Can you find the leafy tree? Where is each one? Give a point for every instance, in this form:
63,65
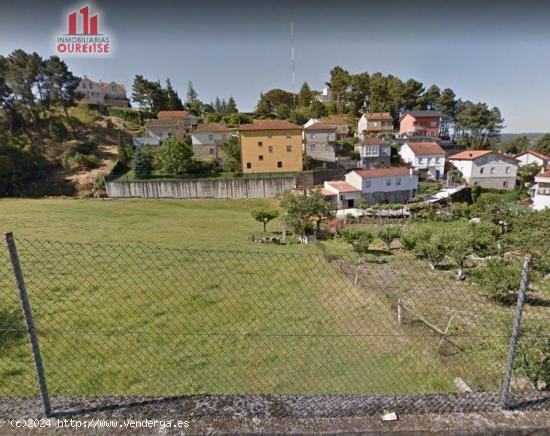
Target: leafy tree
319,208
301,209
283,111
460,247
430,98
412,93
388,234
307,161
143,164
359,91
543,144
232,165
339,83
434,250
232,149
149,94
516,145
276,97
528,173
263,108
298,117
264,215
173,157
317,109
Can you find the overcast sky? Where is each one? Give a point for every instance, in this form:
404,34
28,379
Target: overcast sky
496,52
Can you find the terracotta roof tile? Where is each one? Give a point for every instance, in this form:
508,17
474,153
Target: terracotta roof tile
383,172
213,127
162,122
342,186
422,114
173,114
270,125
544,174
535,153
423,148
321,126
378,116
471,154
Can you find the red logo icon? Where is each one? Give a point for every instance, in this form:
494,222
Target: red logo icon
89,24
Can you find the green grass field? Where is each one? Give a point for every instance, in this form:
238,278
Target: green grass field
132,319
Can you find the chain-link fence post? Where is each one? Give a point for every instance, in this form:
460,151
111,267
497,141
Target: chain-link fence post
29,323
505,387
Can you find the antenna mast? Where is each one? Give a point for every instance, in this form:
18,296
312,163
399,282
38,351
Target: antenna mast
293,59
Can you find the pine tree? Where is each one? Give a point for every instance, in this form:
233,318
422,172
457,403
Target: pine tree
305,96
173,101
192,94
143,165
218,106
232,106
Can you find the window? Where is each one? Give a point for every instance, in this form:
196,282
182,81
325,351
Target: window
371,151
434,123
270,148
261,157
210,137
481,170
312,146
279,164
504,184
289,148
428,160
388,182
211,150
260,143
312,135
367,183
420,160
437,160
484,159
270,135
289,135
398,182
492,170
248,165
507,170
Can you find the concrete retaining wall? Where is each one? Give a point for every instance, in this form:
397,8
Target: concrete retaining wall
201,188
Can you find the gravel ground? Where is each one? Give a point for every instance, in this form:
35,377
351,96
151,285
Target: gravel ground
465,414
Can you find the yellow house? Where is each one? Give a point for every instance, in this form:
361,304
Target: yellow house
271,146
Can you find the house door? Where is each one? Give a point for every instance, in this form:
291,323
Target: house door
351,204
437,174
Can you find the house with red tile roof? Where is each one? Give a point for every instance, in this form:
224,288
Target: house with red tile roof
420,123
425,157
377,185
533,157
375,124
486,168
320,141
107,93
342,194
207,141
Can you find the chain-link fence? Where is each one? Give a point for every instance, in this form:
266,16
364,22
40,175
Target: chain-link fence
142,321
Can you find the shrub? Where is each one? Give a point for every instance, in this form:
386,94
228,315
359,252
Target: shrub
414,236
78,161
460,211
57,130
388,234
499,280
18,168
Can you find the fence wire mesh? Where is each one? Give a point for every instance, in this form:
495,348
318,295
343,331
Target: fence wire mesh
145,321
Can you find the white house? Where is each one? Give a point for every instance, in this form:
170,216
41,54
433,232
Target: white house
148,139
533,157
427,157
486,168
384,185
111,94
207,140
342,194
324,95
541,199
